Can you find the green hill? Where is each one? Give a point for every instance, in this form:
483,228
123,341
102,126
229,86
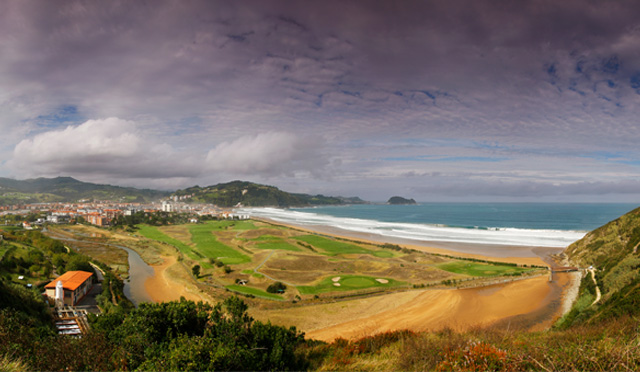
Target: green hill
612,250
67,189
255,195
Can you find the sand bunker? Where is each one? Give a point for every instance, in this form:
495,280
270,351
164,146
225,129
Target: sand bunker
336,279
436,309
336,284
382,281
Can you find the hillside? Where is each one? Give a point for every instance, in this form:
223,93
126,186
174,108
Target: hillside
398,200
612,250
255,195
67,189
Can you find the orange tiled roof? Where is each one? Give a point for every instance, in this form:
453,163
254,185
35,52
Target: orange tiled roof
71,280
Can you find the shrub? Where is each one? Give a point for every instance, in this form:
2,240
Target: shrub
276,287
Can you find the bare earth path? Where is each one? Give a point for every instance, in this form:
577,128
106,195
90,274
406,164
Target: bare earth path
598,294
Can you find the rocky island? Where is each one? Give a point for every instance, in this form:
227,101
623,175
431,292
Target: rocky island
398,200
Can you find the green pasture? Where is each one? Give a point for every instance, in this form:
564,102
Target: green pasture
207,244
348,283
153,233
480,268
253,291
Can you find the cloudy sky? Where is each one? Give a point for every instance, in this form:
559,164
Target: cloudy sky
434,100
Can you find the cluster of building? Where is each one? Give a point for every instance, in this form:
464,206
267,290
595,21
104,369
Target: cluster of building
101,213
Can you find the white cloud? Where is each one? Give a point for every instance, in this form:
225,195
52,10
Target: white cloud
268,154
109,147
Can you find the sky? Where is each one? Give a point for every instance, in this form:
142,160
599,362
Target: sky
432,100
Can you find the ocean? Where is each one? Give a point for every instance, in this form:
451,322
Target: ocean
510,224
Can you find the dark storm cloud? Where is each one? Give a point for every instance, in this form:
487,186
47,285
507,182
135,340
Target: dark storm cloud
534,78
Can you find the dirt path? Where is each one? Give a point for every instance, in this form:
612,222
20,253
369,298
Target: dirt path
457,309
598,294
164,285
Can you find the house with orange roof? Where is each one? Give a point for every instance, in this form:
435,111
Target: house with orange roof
75,285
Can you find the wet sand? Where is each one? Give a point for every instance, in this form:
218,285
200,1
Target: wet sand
448,308
162,286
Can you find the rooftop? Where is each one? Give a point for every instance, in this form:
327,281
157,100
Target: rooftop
71,280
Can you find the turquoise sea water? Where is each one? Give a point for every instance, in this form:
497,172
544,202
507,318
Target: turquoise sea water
523,224
550,216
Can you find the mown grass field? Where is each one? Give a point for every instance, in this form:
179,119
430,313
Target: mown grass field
480,269
208,245
153,233
349,283
334,247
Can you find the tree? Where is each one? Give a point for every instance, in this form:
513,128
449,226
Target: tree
277,287
196,270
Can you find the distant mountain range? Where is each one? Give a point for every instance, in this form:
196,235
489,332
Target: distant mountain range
67,189
255,195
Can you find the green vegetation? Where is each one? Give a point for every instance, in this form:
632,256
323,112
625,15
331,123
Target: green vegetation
183,335
480,269
209,246
153,233
350,283
277,287
254,292
44,190
242,225
179,335
613,251
255,195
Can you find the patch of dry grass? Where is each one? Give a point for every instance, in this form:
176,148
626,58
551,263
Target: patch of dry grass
609,346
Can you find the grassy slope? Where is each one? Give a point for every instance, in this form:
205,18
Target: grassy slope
608,346
613,250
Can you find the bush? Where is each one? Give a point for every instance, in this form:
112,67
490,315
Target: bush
277,287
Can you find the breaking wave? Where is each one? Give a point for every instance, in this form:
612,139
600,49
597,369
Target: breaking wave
425,232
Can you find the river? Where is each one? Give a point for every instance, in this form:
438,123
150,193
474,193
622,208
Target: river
139,272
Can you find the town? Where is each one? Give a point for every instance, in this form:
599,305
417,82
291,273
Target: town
104,213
